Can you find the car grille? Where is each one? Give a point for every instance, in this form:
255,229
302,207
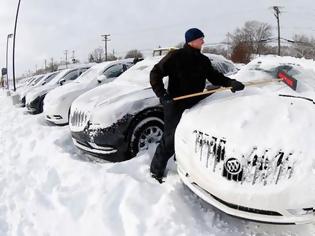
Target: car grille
262,167
79,119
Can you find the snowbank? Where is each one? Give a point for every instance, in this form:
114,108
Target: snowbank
48,187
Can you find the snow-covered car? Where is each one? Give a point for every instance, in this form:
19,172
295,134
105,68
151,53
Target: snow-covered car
39,81
251,154
34,99
117,120
58,101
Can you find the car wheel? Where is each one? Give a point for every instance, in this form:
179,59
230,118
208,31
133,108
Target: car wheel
147,132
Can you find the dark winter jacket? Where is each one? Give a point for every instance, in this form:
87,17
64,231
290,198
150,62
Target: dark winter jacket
188,70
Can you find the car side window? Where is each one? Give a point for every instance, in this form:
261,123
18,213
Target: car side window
82,71
114,71
72,75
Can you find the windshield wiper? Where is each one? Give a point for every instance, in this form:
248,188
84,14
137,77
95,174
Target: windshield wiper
292,96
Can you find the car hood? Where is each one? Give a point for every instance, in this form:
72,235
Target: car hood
251,125
101,95
249,119
39,91
106,105
61,92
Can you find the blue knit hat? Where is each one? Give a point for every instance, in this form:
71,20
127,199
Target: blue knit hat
193,34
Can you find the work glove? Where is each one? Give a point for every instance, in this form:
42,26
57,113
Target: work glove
236,86
166,99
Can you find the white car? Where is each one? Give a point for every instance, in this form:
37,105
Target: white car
251,153
34,99
38,81
58,101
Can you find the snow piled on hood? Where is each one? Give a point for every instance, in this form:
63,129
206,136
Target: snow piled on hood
59,93
99,101
48,187
259,117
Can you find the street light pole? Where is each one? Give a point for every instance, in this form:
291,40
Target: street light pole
14,36
6,59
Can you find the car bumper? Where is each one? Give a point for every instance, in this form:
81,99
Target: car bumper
56,119
114,150
94,148
109,143
35,106
31,109
56,112
259,215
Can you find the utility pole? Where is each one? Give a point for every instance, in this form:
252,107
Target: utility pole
45,65
66,53
277,13
52,64
73,58
105,36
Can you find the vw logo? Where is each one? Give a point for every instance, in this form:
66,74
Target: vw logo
233,166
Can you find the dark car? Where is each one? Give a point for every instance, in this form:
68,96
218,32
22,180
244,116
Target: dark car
117,120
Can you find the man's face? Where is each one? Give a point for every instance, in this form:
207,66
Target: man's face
197,43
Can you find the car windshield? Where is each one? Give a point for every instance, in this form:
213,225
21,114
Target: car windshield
50,77
59,76
31,80
139,73
89,75
37,79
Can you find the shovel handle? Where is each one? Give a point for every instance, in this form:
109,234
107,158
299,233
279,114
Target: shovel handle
253,83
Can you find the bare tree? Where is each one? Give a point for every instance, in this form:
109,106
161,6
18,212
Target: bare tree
241,53
134,54
257,33
219,50
304,46
250,39
97,55
111,57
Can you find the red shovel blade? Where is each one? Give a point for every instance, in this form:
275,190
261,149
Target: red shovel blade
288,80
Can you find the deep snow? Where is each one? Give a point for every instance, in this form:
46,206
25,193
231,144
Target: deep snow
48,187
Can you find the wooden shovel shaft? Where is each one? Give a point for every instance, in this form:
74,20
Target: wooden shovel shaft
252,83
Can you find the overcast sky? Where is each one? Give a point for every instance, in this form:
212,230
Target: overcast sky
48,27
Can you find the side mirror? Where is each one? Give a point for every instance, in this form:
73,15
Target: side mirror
61,82
101,78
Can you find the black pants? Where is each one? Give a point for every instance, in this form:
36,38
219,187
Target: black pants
165,150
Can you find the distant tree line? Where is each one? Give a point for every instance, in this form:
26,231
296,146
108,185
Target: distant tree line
98,55
255,38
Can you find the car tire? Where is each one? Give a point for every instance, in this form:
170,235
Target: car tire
147,131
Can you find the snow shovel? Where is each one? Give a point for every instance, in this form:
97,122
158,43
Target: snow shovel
291,82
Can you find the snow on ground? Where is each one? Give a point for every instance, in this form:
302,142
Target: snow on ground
48,187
